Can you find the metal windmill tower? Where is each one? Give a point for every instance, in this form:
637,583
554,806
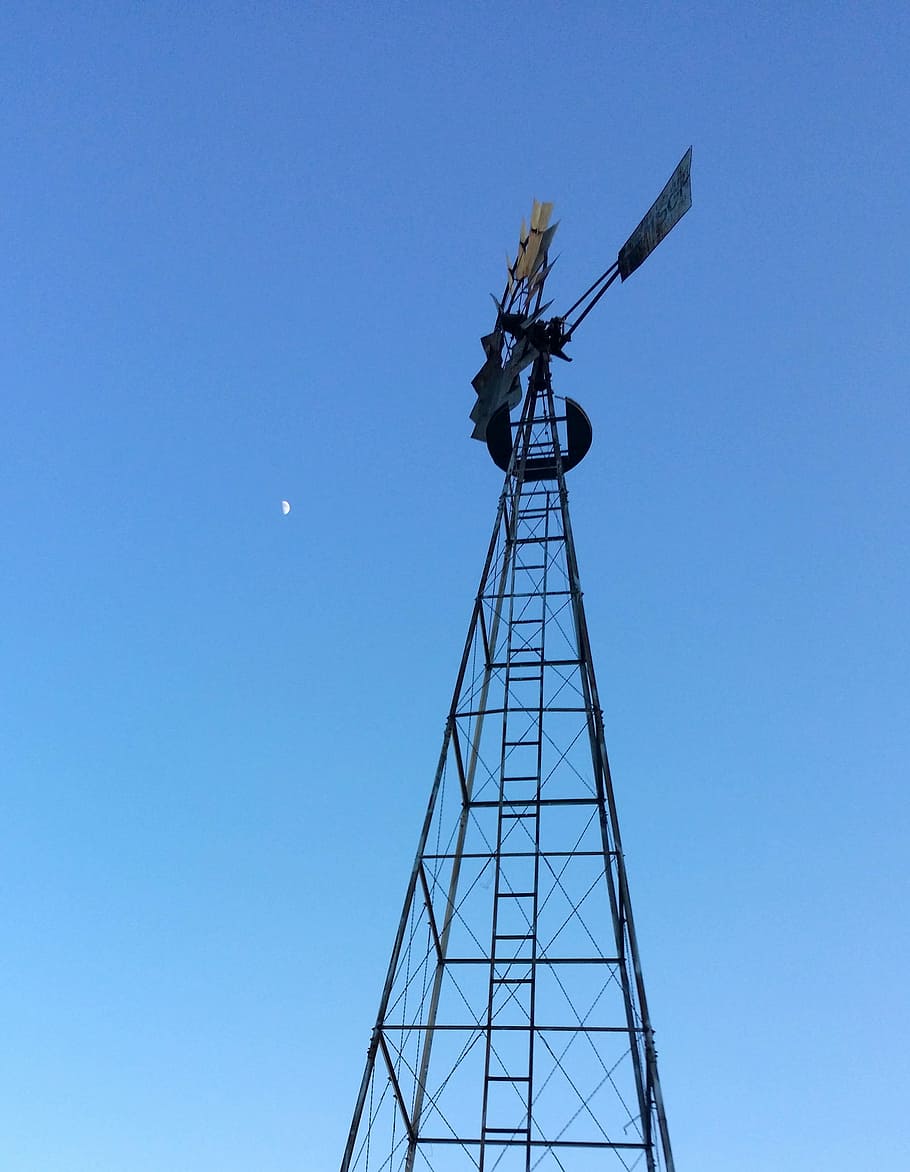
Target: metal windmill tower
513,1030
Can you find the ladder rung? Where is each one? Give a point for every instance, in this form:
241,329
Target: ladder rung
509,1078
512,936
516,894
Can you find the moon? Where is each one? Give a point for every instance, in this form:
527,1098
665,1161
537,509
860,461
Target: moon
285,507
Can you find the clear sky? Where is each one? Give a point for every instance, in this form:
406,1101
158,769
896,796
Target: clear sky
246,252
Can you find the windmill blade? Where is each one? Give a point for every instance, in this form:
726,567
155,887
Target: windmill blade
540,215
533,248
492,395
532,318
541,275
540,261
666,211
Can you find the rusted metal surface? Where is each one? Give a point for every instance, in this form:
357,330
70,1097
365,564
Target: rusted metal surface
666,211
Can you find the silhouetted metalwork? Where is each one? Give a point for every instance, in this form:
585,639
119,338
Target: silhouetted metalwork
513,1030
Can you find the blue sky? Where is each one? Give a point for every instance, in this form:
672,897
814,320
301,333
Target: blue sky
247,252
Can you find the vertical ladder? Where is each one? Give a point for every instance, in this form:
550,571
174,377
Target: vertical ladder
507,1113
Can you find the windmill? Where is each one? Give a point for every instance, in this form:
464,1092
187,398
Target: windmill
513,1030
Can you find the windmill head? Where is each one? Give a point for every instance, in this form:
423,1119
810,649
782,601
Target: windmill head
521,333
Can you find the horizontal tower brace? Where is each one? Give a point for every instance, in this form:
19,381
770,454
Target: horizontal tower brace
492,854
527,593
474,712
502,1141
504,960
502,664
506,802
391,1027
